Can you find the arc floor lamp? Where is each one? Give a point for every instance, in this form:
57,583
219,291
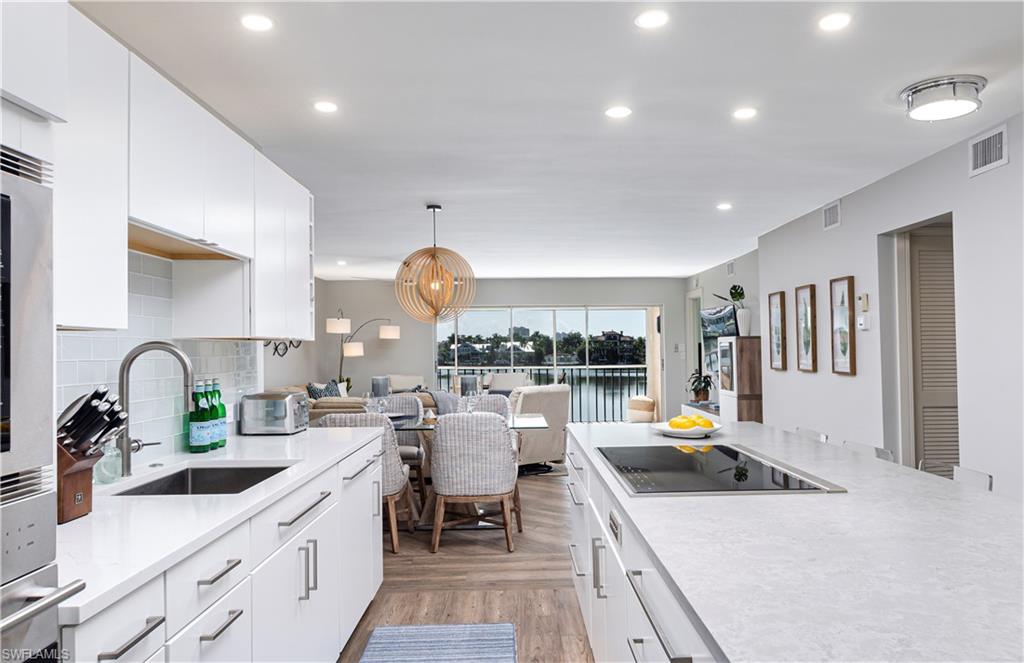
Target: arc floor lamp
351,347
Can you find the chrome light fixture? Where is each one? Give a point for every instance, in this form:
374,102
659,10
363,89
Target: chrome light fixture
434,283
943,97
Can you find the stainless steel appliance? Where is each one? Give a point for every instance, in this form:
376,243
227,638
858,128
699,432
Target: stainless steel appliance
707,469
29,593
273,414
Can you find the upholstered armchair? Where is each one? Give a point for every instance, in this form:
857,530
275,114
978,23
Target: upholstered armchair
395,484
474,460
495,403
504,383
409,443
552,401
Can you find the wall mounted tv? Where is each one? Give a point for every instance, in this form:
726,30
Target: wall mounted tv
719,321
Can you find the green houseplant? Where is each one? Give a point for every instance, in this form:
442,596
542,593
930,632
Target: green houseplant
736,298
700,385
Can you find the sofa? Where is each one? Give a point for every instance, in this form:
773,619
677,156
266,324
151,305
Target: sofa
318,407
552,401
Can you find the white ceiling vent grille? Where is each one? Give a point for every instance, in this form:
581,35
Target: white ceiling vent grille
730,268
830,216
987,151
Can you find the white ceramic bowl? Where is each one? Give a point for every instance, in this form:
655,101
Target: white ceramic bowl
689,434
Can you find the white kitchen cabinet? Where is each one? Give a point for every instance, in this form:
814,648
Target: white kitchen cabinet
356,516
298,247
376,527
90,199
34,42
269,275
133,628
221,634
296,594
26,132
211,299
165,178
229,188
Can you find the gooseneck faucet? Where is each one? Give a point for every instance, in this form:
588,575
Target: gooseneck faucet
124,440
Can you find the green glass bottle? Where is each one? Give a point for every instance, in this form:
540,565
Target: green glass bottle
199,421
222,416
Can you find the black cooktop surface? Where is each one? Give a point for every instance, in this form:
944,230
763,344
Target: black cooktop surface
699,468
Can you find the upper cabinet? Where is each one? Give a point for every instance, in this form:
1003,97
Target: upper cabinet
229,193
298,215
34,60
165,184
269,273
90,197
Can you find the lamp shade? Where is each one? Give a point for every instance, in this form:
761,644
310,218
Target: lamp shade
353,349
339,325
390,332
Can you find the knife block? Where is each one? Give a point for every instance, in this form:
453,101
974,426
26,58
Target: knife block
74,484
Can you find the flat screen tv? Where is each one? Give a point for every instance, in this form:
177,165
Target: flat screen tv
719,321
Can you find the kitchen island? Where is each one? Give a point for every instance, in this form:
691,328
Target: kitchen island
903,566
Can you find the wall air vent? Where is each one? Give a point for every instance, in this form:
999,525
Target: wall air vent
830,216
730,268
987,151
24,166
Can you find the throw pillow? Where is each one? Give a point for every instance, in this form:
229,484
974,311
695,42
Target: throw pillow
317,390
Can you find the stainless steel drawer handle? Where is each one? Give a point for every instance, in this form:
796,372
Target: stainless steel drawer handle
294,519
232,563
314,554
572,558
152,624
233,616
572,495
360,471
632,576
379,454
377,499
632,643
572,456
305,573
40,606
597,545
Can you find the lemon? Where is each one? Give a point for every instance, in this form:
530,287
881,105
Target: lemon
676,422
688,424
706,424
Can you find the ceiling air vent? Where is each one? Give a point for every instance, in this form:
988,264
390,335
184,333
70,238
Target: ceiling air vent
730,268
830,216
24,166
987,151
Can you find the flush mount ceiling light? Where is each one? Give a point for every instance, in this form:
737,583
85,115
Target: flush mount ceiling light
434,283
618,112
651,19
342,263
256,22
326,106
943,97
744,113
723,207
834,22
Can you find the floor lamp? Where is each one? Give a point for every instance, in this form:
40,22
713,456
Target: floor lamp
352,348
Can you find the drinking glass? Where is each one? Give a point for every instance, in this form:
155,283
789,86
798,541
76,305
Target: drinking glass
471,402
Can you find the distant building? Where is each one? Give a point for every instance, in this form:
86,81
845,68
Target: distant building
614,347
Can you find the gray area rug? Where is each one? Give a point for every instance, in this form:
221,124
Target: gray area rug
434,643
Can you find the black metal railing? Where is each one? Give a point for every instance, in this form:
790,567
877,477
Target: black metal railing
598,393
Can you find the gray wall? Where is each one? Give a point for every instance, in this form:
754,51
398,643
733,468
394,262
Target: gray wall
987,241
717,281
299,365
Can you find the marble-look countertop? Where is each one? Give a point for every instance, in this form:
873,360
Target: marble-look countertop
905,566
128,540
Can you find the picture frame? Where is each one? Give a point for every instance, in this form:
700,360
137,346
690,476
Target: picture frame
842,331
806,329
777,330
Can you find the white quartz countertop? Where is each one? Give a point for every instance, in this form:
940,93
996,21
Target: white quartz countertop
128,540
905,566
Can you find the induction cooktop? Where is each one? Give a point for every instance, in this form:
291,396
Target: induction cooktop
711,469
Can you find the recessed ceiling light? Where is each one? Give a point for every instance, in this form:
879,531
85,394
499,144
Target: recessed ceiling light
943,97
723,207
257,22
618,112
326,106
744,113
834,22
651,19
342,263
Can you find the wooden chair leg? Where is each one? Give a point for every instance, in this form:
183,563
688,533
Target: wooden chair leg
435,541
393,521
517,507
506,519
413,515
421,485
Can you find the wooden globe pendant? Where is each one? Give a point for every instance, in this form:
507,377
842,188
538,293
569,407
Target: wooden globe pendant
435,284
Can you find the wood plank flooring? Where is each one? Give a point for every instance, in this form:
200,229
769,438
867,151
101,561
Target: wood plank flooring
474,579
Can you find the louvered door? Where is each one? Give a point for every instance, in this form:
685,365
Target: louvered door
934,328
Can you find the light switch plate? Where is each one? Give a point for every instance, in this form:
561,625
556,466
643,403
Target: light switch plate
864,322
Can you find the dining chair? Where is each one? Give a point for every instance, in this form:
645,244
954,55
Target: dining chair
973,478
395,484
474,460
869,449
810,434
495,403
410,446
445,402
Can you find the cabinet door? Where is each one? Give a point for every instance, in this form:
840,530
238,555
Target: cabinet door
376,531
34,58
228,199
596,551
165,175
297,261
356,515
579,546
269,318
295,596
90,202
223,632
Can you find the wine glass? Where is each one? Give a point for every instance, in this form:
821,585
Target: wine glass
471,402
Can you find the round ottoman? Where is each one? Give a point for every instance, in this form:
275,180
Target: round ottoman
640,409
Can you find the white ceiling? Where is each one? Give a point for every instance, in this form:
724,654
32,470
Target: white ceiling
495,110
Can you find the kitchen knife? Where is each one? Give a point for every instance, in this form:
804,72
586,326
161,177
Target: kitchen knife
84,415
82,434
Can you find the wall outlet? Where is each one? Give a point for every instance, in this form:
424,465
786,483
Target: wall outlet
864,322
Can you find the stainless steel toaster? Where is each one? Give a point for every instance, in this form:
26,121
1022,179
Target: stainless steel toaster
270,413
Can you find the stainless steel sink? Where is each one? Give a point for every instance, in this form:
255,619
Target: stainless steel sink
205,481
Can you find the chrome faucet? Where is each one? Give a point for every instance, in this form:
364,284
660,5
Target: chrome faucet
125,443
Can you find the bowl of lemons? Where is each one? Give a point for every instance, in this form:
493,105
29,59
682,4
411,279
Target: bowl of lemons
692,426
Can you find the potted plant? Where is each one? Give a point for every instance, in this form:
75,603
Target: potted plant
700,386
736,297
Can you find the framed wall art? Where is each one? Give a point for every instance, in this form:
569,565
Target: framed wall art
843,333
806,329
777,330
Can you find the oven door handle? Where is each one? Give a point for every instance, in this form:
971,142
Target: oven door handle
37,608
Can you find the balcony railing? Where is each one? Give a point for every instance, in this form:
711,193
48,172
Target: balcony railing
598,393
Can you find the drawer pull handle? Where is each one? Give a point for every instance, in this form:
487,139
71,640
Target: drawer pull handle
572,495
632,643
315,563
360,471
37,608
152,623
232,563
572,558
379,454
595,546
305,573
294,519
233,616
632,575
572,456
377,499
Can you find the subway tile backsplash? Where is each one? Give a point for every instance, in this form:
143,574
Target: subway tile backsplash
87,359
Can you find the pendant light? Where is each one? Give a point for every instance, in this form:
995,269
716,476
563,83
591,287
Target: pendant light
434,283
